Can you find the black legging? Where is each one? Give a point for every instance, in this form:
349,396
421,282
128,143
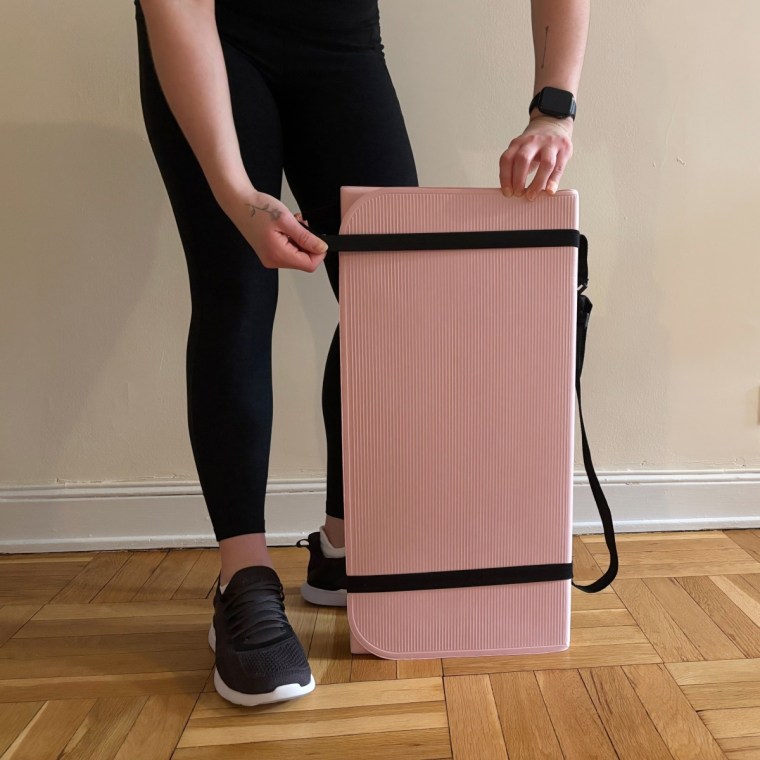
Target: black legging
311,95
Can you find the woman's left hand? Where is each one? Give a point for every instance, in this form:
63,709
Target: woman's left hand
547,144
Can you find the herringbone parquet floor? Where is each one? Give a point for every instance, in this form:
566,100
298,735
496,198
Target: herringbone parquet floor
103,655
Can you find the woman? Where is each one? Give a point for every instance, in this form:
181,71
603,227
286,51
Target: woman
234,93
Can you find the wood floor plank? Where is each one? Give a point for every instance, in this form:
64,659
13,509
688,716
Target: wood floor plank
680,727
103,729
48,732
741,747
585,567
658,626
368,667
423,668
94,686
108,664
85,585
580,601
156,731
733,722
168,576
118,625
661,569
260,726
625,718
574,657
13,617
600,618
753,579
13,719
35,582
36,557
199,582
724,613
741,593
473,719
670,545
749,540
577,725
329,652
421,744
612,634
719,696
702,632
525,722
665,535
111,644
685,556
725,671
130,577
122,609
331,696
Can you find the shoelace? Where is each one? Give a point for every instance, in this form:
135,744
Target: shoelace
254,616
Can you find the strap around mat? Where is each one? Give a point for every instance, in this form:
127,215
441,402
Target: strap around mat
401,241
460,240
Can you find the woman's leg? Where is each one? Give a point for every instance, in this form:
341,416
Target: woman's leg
234,297
342,125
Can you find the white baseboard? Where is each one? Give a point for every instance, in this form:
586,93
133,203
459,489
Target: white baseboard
163,514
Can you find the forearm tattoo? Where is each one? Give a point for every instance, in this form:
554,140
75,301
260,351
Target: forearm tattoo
546,35
273,212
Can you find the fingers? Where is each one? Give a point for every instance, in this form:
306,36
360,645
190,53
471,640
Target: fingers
563,156
529,152
301,236
294,258
546,164
515,165
505,168
522,165
553,182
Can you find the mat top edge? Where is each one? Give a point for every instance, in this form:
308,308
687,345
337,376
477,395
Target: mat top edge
372,192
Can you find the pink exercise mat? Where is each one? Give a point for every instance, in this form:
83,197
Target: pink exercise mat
457,384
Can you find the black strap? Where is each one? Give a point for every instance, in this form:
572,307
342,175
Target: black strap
481,576
440,241
401,241
583,314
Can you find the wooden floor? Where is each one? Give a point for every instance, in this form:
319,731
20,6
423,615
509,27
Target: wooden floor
104,655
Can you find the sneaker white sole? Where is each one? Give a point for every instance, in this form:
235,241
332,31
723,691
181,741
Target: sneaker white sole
282,692
324,596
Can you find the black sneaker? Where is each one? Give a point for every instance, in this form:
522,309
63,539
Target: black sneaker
325,576
259,657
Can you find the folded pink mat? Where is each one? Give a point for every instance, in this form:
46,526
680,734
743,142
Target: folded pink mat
458,379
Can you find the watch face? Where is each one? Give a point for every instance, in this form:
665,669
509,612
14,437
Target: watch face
557,101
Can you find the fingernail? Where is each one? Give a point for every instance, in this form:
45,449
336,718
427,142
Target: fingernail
552,187
531,195
508,192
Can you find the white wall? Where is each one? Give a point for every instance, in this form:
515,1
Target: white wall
94,301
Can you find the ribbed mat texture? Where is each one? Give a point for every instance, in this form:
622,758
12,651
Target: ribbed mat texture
457,374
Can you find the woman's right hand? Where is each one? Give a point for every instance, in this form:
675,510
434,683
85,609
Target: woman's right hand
274,233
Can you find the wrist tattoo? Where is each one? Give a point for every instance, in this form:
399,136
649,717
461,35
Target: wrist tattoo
273,212
546,34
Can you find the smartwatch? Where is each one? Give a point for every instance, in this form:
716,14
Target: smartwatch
554,102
